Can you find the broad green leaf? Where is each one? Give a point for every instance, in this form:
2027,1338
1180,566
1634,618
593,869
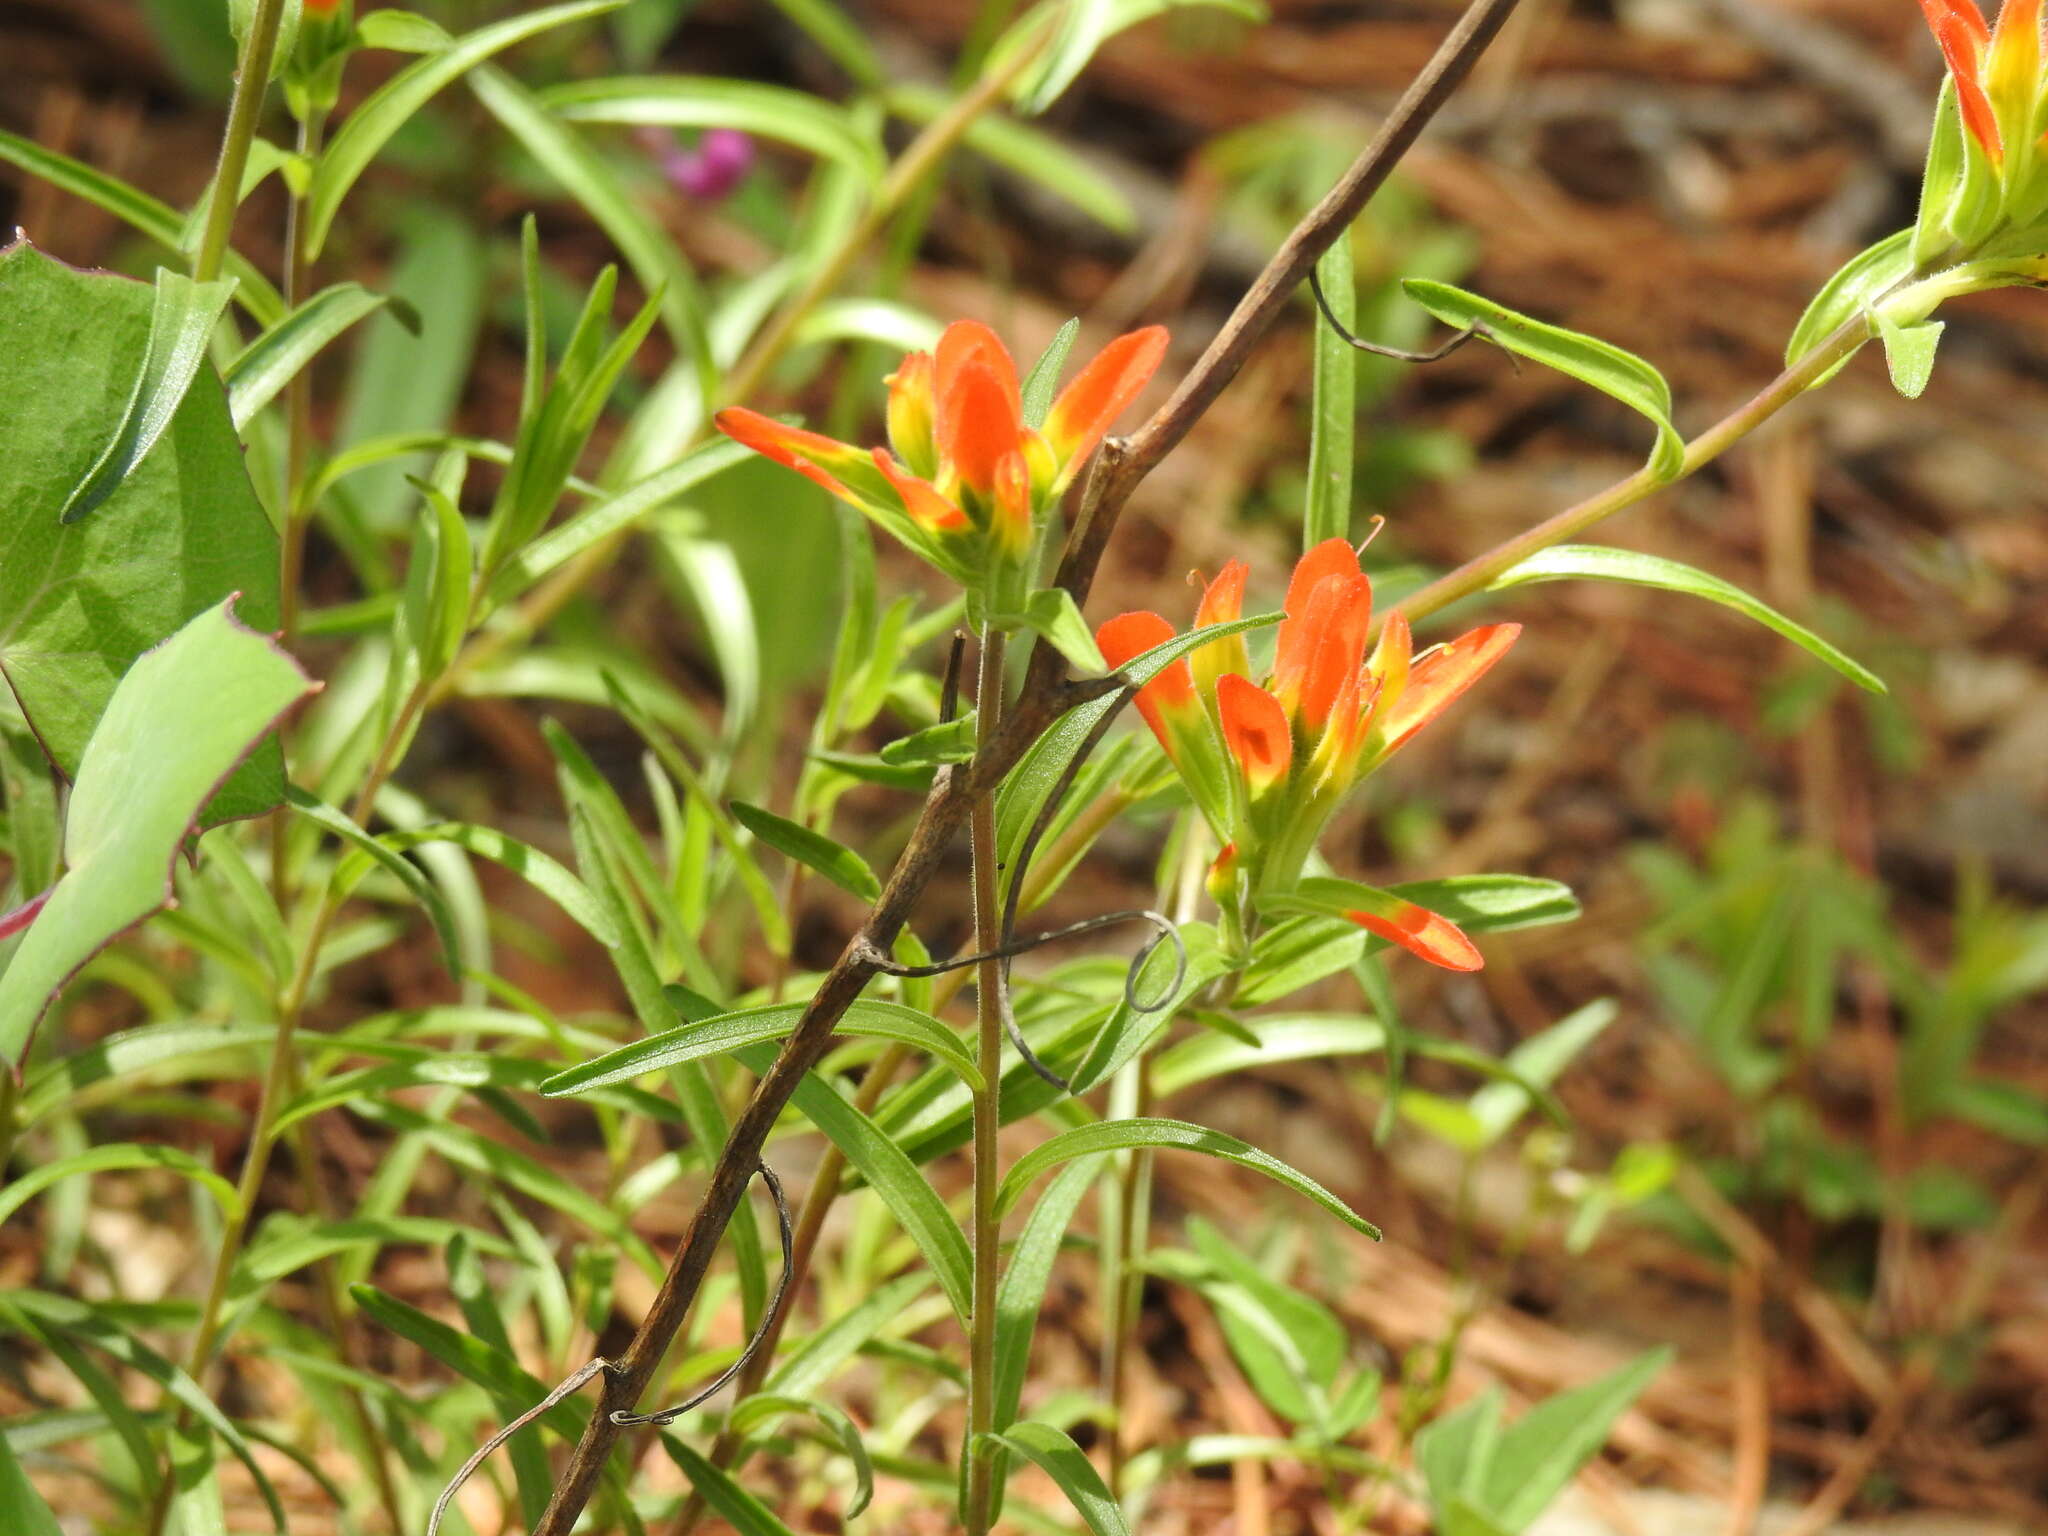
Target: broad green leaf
867,1018
408,873
655,258
544,874
22,1509
747,1515
1054,1453
1121,1135
269,362
836,862
1051,613
115,1155
139,211
700,101
370,126
182,317
1908,352
182,531
1857,286
1594,562
1614,372
1333,409
764,1408
181,719
1041,385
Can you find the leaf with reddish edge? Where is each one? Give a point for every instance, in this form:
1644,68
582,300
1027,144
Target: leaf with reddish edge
1438,677
179,722
13,922
1429,935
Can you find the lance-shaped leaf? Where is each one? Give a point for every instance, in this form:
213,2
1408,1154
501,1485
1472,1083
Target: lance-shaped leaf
27,1514
1594,562
370,126
181,318
180,532
835,861
1858,283
183,717
269,362
1054,1453
1606,367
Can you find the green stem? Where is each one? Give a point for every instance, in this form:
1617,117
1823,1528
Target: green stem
988,1172
252,82
1477,574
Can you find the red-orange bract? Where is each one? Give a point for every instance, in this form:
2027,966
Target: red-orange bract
965,481
1269,765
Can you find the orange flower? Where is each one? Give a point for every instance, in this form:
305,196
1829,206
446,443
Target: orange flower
1268,766
965,480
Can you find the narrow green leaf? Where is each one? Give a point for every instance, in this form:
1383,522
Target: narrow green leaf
1085,26
269,362
408,873
746,1514
1536,1064
655,258
1121,1135
139,211
22,1509
867,1018
543,873
50,1314
1020,1297
1051,612
1614,372
1333,408
470,1357
181,322
1038,157
950,741
836,862
1545,1448
180,720
370,126
1025,790
133,1051
114,1155
700,101
1276,1038
764,1408
1129,1032
1596,562
1054,1453
1041,385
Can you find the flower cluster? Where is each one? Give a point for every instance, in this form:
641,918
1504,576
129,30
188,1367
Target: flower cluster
1269,765
1999,91
966,481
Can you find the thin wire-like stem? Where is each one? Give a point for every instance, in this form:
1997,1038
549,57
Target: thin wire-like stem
988,1169
252,83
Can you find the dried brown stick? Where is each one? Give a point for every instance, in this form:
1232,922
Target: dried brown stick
1046,695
